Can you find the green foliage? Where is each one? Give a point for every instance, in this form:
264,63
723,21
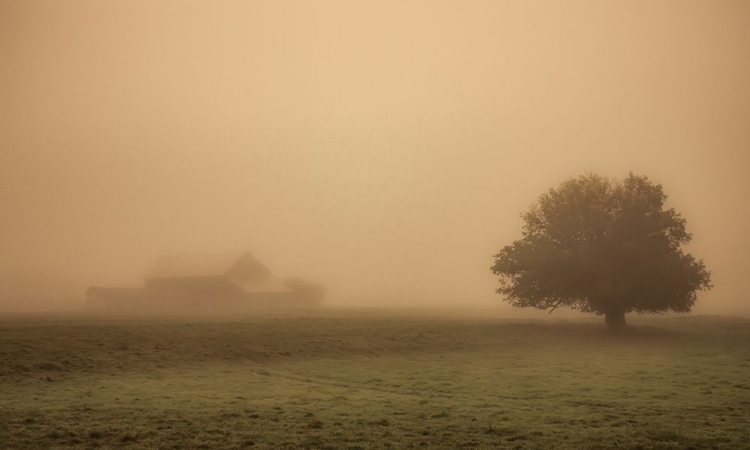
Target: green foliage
602,246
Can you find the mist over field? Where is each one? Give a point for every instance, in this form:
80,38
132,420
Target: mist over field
383,149
281,224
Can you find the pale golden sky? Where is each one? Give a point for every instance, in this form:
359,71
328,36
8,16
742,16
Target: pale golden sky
383,148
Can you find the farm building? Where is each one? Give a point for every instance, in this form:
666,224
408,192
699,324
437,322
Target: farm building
206,282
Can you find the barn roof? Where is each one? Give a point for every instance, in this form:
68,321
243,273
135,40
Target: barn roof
235,265
115,291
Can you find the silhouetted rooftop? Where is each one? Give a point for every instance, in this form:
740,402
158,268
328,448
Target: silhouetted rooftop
241,266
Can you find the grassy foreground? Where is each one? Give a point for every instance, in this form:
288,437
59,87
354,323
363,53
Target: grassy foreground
372,380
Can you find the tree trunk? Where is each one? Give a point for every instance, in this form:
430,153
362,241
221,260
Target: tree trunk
615,320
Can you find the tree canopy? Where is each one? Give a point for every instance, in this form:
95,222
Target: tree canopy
604,246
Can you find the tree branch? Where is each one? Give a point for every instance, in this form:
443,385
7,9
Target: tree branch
557,305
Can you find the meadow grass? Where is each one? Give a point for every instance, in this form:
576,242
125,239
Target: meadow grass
372,379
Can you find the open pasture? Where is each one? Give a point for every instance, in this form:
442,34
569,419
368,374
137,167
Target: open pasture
372,379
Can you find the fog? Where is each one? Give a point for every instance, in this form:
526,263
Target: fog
383,149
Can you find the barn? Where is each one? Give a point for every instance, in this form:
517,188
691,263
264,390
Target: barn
203,282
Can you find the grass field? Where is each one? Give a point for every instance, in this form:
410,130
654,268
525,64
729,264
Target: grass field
372,379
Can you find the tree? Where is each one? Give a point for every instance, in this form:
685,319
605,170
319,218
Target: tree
604,246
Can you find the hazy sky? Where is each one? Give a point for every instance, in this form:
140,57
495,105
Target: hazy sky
383,148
